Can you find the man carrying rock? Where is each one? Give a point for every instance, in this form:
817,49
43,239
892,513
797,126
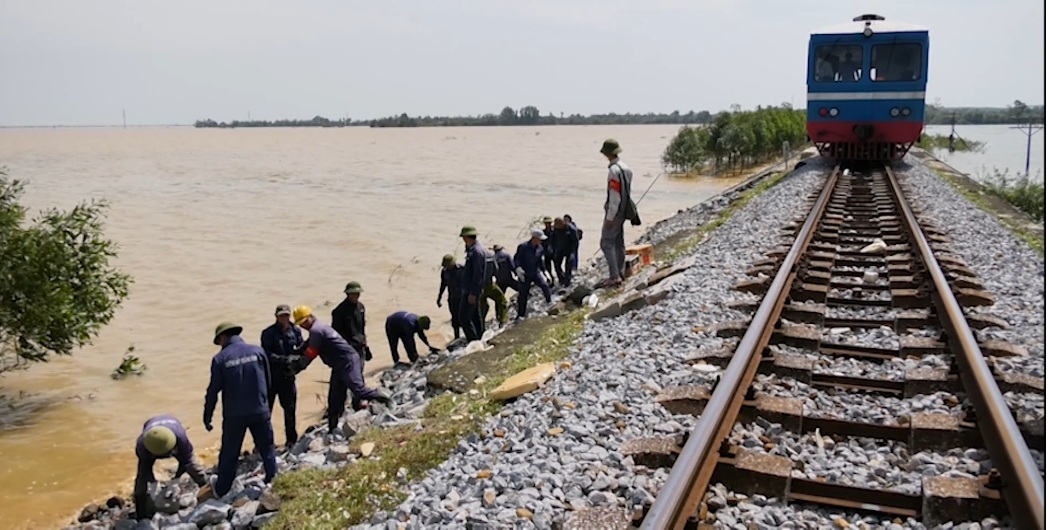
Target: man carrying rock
451,278
529,261
282,342
162,437
344,361
474,282
348,320
241,373
403,326
617,202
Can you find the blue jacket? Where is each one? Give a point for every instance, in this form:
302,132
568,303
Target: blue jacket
565,240
504,271
282,348
451,279
474,280
325,342
242,374
182,452
529,258
403,325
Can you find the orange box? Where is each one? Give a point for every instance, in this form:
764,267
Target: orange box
642,251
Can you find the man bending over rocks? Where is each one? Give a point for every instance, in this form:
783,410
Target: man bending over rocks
345,363
162,437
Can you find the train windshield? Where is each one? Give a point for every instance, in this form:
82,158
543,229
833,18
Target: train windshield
838,63
896,62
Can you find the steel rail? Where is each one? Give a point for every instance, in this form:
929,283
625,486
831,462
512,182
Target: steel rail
1024,488
685,487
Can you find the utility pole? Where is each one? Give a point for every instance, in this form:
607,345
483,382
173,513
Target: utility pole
124,114
950,141
1030,130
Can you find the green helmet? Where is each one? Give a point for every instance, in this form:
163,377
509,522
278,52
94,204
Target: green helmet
159,440
424,322
468,231
611,147
447,260
353,287
224,327
548,219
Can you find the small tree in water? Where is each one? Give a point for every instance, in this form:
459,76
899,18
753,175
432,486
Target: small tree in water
57,287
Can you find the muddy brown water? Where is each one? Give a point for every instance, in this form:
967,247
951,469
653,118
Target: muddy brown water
226,224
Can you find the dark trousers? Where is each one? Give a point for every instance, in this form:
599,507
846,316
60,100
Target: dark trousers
392,335
283,387
523,291
233,430
453,309
548,263
347,377
508,284
470,318
563,267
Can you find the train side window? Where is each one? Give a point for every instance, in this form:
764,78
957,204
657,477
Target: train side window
896,62
837,63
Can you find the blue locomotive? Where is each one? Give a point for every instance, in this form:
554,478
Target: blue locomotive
866,88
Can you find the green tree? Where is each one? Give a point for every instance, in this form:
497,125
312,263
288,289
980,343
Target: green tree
528,115
508,116
57,287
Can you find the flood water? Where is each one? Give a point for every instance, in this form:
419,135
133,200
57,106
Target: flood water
1005,150
225,224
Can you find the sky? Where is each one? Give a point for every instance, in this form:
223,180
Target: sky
77,62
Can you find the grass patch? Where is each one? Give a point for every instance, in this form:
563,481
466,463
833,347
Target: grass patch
323,499
981,194
686,244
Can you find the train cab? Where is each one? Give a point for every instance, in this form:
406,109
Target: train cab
866,88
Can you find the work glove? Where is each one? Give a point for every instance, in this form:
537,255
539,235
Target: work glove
300,364
520,274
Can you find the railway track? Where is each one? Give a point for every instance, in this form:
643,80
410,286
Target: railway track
862,262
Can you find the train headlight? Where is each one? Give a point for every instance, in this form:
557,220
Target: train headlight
833,111
906,111
894,112
823,112
867,31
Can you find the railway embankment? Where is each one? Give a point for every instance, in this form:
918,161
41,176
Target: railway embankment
560,454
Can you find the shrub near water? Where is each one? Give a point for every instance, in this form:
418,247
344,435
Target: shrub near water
1019,190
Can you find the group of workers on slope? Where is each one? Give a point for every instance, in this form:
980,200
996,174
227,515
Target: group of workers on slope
250,378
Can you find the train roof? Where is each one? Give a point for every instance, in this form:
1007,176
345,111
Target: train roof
877,24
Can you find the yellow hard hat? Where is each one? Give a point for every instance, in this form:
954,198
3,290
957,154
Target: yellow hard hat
300,314
159,440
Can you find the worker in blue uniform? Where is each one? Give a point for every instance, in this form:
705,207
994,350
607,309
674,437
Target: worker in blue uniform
504,269
473,284
403,326
344,361
283,344
579,232
529,263
162,437
241,373
451,279
548,247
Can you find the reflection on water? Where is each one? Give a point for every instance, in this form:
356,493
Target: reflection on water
1005,149
227,224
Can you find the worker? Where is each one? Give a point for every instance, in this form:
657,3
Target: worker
283,344
473,284
617,202
492,292
529,261
344,361
548,248
579,232
566,245
451,278
241,373
162,437
348,319
505,277
403,326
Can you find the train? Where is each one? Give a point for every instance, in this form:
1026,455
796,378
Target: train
866,88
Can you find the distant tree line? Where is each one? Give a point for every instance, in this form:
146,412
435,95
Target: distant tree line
1018,112
737,139
935,114
528,115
